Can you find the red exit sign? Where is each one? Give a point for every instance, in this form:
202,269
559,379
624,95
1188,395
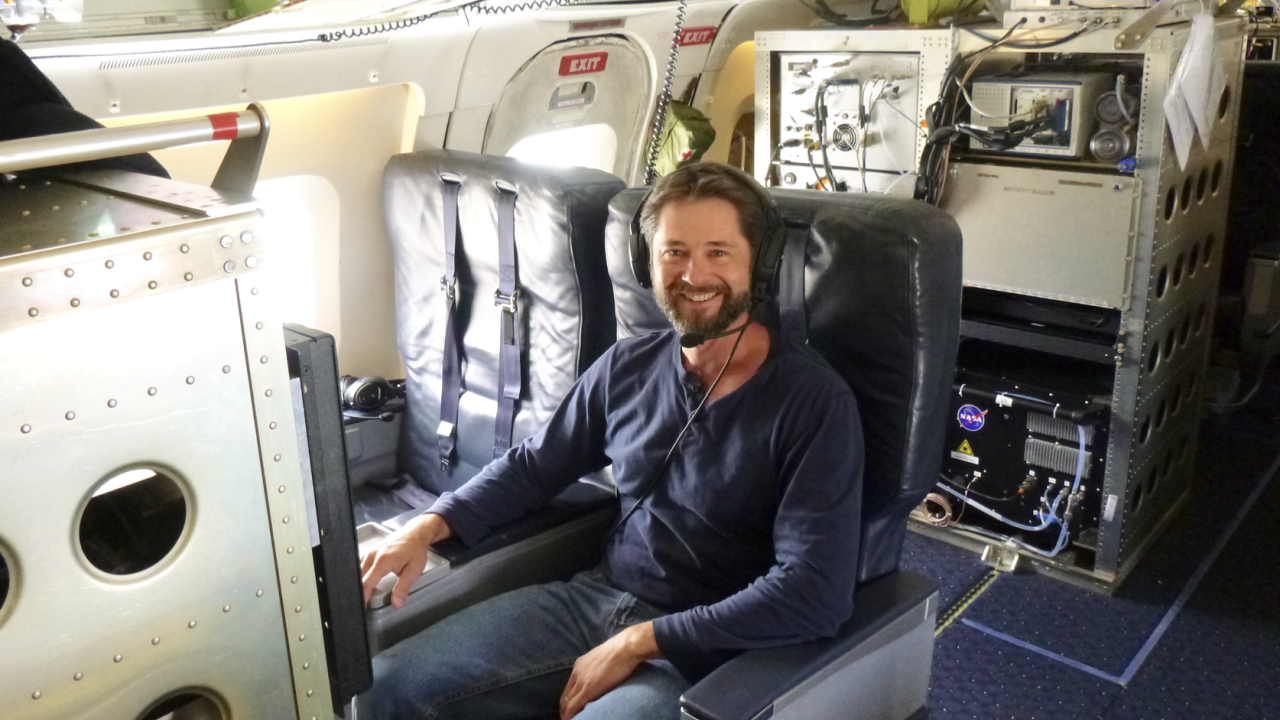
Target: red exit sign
582,64
697,36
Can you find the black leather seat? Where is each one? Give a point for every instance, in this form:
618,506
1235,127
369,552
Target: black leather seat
565,321
880,299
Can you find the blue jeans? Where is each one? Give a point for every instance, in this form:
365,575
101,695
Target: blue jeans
511,655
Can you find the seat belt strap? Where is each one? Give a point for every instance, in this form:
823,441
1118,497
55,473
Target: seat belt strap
451,365
507,298
791,310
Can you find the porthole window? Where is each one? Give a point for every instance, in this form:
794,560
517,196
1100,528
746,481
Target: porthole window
1145,433
1135,500
5,580
1215,179
1208,249
133,520
1169,343
1194,260
1154,358
1184,331
1167,465
1170,203
1224,102
1162,281
1161,414
1186,195
186,706
1202,184
1202,317
1177,400
1153,478
1177,270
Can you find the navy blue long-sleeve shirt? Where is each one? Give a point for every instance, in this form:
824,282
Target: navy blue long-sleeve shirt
750,535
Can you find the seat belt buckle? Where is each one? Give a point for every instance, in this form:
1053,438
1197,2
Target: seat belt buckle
506,302
449,288
446,429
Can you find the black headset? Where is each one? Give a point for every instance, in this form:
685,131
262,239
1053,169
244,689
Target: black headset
765,258
366,394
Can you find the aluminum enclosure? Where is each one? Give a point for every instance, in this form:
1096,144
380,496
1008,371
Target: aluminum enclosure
139,338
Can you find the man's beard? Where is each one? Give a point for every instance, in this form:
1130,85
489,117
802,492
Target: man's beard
732,305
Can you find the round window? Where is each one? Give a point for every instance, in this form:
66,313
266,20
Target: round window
133,520
189,705
5,581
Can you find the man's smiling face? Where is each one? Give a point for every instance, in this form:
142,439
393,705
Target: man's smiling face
701,265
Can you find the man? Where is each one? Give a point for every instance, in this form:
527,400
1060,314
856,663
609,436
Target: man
739,525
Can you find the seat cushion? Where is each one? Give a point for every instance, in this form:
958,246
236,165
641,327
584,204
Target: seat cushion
564,294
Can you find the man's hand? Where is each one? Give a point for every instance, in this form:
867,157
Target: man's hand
606,667
405,554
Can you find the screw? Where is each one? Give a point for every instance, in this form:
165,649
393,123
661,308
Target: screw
191,624
118,658
251,262
226,608
75,302
115,293
69,272
155,641
226,369
151,391
153,285
185,248
70,416
33,312
246,237
78,676
25,429
111,403
191,380
110,264
225,241
145,255
229,266
26,282
188,277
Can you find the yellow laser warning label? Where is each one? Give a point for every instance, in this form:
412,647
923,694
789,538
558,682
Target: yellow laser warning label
964,448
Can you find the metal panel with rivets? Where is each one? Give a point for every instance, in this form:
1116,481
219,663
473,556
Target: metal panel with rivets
137,336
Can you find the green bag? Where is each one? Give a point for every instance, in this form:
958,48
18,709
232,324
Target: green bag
686,135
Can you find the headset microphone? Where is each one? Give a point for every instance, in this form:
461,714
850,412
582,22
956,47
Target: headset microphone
693,340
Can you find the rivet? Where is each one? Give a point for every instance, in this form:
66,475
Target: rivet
84,202
118,658
93,234
229,266
226,608
280,489
310,693
111,403
297,608
289,550
26,212
272,425
33,312
191,380
251,262
125,229
155,641
306,666
36,695
110,264
285,520
78,676
75,302
151,391
226,369
258,326
152,284
145,255
267,392
70,416
188,277
56,208
115,293
253,291
26,282
294,579
191,624
263,359
277,457
225,241
155,222
25,429
246,237
302,637
69,272
259,593
184,247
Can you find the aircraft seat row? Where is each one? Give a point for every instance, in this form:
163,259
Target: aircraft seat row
512,278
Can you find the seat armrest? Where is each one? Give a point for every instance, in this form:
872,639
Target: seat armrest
578,500
751,683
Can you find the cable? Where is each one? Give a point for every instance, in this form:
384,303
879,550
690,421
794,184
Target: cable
980,494
664,96
688,423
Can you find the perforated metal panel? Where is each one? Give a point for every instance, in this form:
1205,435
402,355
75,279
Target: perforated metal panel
137,335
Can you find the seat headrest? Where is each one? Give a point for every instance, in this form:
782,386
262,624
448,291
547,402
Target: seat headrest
882,297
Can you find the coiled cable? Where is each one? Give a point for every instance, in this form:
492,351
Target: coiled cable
664,96
480,7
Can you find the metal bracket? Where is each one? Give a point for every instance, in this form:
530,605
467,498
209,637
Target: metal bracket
1137,31
1003,558
239,170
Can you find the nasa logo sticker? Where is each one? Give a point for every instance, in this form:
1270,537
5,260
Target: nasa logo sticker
971,417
